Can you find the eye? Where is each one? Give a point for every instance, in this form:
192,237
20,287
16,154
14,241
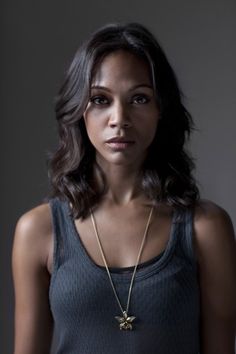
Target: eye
99,100
141,99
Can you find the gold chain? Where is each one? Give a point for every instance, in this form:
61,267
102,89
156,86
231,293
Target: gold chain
125,321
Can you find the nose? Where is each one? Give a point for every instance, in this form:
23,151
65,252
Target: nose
119,116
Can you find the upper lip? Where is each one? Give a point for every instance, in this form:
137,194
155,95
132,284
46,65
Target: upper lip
119,139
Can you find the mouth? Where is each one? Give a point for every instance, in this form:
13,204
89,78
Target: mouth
119,143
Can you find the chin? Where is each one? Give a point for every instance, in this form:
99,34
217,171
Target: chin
119,159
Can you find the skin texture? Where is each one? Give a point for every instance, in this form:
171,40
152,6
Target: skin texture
125,112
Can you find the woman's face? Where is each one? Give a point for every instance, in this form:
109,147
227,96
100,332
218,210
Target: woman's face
122,114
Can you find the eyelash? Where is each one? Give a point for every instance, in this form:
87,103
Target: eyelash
146,98
97,99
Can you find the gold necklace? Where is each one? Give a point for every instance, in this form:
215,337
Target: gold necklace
125,322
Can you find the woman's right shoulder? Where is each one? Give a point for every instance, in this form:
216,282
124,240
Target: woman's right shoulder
34,233
36,221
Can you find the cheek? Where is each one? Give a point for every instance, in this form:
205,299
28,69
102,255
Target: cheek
94,118
93,129
89,127
151,131
149,126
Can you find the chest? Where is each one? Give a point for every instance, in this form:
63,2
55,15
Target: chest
121,238
165,299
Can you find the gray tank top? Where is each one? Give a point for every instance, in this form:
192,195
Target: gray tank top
165,296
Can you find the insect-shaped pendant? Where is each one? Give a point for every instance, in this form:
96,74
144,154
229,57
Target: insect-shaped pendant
125,321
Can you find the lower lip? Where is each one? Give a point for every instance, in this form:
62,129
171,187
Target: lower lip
120,146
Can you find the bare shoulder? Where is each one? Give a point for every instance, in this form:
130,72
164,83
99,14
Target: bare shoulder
208,210
212,223
33,319
214,232
34,232
38,217
215,250
216,255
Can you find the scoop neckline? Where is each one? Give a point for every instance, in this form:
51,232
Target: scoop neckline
143,271
130,269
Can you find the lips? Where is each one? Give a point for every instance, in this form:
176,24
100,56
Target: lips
119,143
119,140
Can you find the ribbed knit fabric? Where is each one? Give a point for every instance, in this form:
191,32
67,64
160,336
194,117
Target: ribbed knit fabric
165,296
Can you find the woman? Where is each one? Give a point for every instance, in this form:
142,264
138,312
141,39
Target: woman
124,257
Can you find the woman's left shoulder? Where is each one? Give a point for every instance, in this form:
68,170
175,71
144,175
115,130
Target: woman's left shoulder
214,236
212,221
216,256
207,209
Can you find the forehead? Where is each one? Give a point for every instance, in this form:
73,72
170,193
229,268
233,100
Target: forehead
122,66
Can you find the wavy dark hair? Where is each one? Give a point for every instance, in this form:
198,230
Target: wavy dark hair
167,170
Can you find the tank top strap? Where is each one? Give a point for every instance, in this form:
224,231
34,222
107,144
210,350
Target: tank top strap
185,244
64,242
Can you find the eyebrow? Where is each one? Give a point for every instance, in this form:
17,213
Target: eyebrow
133,88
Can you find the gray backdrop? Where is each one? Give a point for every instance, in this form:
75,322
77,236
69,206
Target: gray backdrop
38,41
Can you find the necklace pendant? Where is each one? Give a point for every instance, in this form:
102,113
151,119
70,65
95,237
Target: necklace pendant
125,321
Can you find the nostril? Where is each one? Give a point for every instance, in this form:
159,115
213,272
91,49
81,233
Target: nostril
122,125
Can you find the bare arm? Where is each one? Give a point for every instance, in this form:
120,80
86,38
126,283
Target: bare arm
33,320
216,251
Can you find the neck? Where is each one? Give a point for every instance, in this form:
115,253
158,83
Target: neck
124,184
